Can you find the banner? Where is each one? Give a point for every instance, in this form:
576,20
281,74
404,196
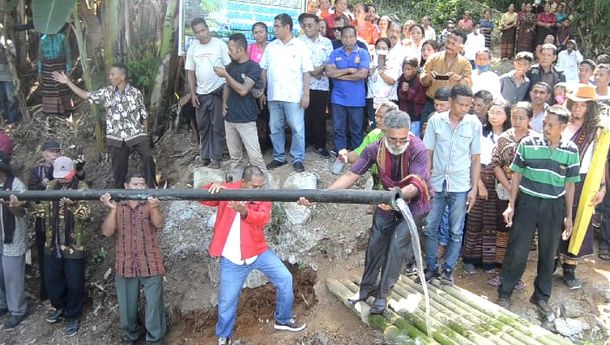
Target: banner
228,17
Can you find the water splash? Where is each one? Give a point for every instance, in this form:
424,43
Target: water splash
406,212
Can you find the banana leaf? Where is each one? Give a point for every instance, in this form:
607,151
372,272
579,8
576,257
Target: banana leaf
50,15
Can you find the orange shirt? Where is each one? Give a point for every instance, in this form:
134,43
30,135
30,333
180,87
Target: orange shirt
368,32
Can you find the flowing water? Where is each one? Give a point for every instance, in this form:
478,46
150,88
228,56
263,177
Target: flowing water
404,209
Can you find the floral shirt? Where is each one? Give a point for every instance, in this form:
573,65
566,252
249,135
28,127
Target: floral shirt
503,153
320,50
125,112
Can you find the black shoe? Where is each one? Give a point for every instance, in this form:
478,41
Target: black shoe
322,152
55,316
543,308
503,302
72,328
291,326
214,165
205,162
447,277
13,321
298,167
569,277
362,296
379,306
429,275
410,270
275,164
158,342
224,341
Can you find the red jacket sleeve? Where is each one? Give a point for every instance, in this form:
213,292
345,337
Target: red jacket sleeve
209,203
258,213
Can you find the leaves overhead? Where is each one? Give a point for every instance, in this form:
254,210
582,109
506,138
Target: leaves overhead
50,15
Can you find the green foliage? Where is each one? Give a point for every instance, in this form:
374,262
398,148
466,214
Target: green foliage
439,11
143,64
592,25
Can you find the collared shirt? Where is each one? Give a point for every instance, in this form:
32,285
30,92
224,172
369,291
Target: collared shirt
349,93
429,33
378,89
546,171
536,122
474,43
232,248
285,65
436,63
488,80
453,150
509,89
568,64
394,60
20,237
202,58
320,50
137,245
125,112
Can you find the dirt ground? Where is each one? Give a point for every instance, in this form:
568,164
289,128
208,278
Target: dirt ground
340,254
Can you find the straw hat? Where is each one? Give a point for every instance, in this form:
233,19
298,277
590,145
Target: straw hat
583,93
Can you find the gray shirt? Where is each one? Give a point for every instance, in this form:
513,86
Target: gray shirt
509,89
20,239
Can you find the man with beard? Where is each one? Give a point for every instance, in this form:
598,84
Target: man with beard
402,162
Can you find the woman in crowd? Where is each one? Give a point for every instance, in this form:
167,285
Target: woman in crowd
416,40
323,28
508,26
481,227
411,93
545,24
428,48
582,130
406,32
261,35
380,82
54,55
486,27
560,15
501,159
526,30
384,23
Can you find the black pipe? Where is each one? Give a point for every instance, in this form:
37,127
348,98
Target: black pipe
344,196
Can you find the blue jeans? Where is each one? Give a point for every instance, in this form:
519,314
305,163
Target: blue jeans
456,201
232,278
8,101
443,236
281,113
344,118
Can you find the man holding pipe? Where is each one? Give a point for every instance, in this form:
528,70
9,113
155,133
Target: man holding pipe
402,162
239,241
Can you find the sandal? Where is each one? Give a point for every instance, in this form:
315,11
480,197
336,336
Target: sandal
604,254
495,281
520,285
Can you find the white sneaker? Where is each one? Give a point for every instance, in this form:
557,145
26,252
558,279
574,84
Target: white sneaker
224,341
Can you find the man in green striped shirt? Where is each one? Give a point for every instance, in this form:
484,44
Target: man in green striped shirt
542,194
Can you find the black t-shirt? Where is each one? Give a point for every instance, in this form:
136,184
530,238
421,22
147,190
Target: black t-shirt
242,109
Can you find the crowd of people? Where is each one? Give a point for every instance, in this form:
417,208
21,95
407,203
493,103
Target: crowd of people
493,166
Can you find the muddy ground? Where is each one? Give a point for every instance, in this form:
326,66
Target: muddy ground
339,254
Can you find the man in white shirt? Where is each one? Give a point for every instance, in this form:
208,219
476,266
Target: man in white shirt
206,88
568,61
429,32
475,41
320,48
286,67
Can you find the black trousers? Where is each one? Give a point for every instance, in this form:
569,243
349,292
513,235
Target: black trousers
385,252
533,213
211,125
119,155
40,238
604,241
315,119
65,282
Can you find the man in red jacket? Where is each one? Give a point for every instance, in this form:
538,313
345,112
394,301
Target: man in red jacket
239,241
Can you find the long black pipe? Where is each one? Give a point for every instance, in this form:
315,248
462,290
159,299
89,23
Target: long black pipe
287,195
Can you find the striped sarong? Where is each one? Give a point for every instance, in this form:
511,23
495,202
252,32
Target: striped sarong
56,97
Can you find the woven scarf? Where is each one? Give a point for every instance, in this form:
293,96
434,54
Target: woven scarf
583,138
8,219
68,225
384,164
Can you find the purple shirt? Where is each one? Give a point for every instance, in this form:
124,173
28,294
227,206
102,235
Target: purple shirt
418,165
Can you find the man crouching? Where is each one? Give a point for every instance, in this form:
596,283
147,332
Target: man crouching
239,241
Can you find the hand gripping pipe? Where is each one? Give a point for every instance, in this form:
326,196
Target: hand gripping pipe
344,196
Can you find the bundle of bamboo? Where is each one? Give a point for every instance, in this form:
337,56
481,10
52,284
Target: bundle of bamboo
456,316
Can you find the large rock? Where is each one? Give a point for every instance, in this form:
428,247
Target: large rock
186,229
299,215
568,327
205,175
